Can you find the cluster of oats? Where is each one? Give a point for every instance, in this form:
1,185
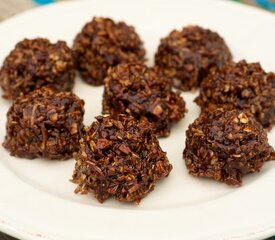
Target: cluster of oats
241,85
120,158
187,55
144,93
101,44
44,123
35,63
226,145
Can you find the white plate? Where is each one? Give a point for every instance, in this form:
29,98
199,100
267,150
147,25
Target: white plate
36,197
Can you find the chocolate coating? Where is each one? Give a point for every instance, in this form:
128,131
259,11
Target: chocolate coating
241,85
226,145
45,123
34,63
187,55
143,93
120,158
101,44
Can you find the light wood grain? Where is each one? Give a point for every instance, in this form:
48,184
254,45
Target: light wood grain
11,7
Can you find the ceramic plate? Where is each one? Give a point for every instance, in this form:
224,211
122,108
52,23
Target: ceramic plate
36,196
